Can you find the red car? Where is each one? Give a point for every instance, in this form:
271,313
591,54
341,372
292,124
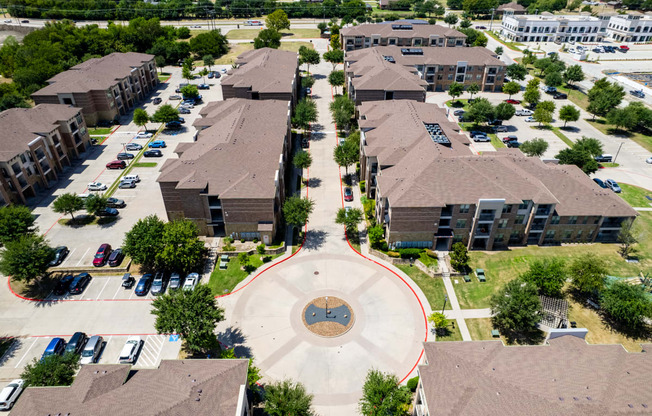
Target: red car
348,194
624,48
102,255
510,101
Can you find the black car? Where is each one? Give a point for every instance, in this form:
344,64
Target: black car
76,343
559,96
79,283
600,183
173,125
304,142
513,144
152,153
107,212
181,120
116,257
60,254
143,285
157,100
458,112
125,156
63,285
115,203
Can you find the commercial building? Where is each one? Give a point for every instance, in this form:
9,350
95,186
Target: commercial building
547,27
564,377
35,145
231,181
104,88
400,34
264,74
631,27
175,388
438,67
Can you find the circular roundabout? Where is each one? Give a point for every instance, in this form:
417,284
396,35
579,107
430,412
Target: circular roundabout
328,317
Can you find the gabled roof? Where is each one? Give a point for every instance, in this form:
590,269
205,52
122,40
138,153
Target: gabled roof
237,154
477,56
373,72
264,70
511,6
387,31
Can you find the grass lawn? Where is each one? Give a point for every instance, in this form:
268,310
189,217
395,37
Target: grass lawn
488,130
511,45
428,261
163,76
454,334
634,195
496,142
609,164
236,49
224,281
458,104
99,130
432,287
643,140
562,136
239,34
480,329
82,220
145,164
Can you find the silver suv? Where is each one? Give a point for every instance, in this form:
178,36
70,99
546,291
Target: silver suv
158,285
175,281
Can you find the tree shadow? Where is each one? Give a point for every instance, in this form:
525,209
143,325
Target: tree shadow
533,336
318,76
314,239
232,337
316,127
317,135
314,183
571,129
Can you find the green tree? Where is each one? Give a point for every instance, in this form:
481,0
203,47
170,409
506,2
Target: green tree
382,394
451,19
473,89
307,82
516,310
96,203
342,109
67,204
627,305
308,56
569,113
542,64
573,74
305,113
480,40
547,275
336,79
268,38
209,43
203,73
296,211
302,159
588,273
439,320
322,26
53,370
144,241
516,72
626,238
165,114
455,89
481,111
346,155
465,23
504,111
574,5
26,257
590,145
499,50
542,115
141,118
376,236
286,397
535,147
335,41
182,250
187,74
244,260
15,221
511,88
334,56
183,32
190,92
578,157
350,219
193,314
277,20
623,118
604,96
209,61
459,257
532,93
553,79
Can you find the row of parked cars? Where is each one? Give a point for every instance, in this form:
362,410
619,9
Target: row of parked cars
159,282
90,348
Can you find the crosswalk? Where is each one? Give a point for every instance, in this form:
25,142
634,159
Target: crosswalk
151,351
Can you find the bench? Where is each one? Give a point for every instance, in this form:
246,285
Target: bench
224,257
223,265
495,333
467,279
480,274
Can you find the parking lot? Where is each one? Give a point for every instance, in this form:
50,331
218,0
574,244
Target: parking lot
104,288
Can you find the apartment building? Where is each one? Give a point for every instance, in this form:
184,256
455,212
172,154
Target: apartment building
511,7
631,27
547,27
264,74
231,181
400,34
440,67
566,376
35,146
104,88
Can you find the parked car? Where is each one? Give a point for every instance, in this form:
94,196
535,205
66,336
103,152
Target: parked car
130,350
131,177
24,21
157,101
157,144
187,104
116,257
304,142
115,203
60,254
524,112
500,129
458,113
549,90
175,97
624,48
10,393
144,283
191,281
606,158
79,283
474,133
92,350
183,110
128,280
144,135
649,160
211,75
495,123
175,281
125,156
107,212
637,93
481,27
96,186
152,153
173,125
530,119
159,284
116,164
559,96
512,101
55,347
101,255
217,74
63,285
133,146
481,138
203,86
223,70
613,185
127,184
76,343
348,194
181,120
510,138
551,54
513,144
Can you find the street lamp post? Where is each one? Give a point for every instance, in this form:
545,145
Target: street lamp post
444,307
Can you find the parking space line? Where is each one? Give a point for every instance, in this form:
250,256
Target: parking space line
82,257
103,287
68,257
26,352
116,292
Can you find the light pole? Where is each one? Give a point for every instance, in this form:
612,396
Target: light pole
444,307
492,18
616,157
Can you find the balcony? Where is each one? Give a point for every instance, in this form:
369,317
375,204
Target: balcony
611,224
216,219
538,227
22,182
482,232
486,217
446,213
542,212
45,166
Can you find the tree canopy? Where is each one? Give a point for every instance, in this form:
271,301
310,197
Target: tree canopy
516,310
512,88
165,114
308,56
182,250
627,305
144,241
349,218
516,72
278,20
547,275
68,204
286,397
569,113
15,221
455,89
267,38
342,109
297,210
588,273
53,370
302,159
383,395
334,56
26,257
535,147
604,96
459,257
336,79
305,113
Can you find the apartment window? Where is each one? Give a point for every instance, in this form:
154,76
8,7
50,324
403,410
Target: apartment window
478,76
441,68
450,77
586,220
457,238
572,219
499,238
568,234
524,205
579,234
554,219
520,219
502,223
460,224
507,209
464,208
550,234
514,235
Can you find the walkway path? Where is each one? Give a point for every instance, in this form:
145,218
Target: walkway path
452,298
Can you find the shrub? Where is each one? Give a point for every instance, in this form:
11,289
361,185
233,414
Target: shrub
384,246
228,240
266,259
410,253
255,241
431,253
242,240
393,254
362,186
260,248
412,384
228,247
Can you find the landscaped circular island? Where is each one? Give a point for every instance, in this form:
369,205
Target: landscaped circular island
328,316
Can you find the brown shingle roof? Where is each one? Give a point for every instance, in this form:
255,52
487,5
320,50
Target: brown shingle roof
172,389
264,70
238,155
566,377
95,74
431,56
511,6
19,126
372,72
385,31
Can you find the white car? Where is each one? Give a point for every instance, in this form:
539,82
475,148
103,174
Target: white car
96,186
530,119
130,350
144,135
224,70
649,160
187,105
9,394
191,281
524,112
481,138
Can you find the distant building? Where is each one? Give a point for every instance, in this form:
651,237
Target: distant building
546,27
631,27
511,7
36,143
175,388
400,34
231,181
104,88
